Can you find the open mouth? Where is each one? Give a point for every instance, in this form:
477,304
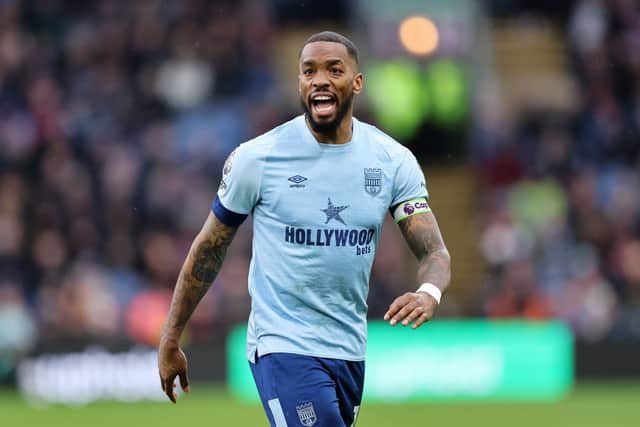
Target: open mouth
323,105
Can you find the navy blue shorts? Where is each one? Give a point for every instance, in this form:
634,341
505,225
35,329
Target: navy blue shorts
301,390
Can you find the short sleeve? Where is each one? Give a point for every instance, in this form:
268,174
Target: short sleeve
239,189
409,182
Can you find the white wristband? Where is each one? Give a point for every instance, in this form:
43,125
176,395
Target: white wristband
432,290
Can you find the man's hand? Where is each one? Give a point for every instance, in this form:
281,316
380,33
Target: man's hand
198,271
422,233
417,307
172,363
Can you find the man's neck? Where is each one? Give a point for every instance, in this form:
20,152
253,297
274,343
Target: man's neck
341,135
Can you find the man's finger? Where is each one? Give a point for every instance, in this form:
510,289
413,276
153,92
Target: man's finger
396,305
168,388
404,311
417,312
424,317
184,381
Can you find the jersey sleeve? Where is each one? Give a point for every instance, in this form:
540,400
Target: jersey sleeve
409,182
239,189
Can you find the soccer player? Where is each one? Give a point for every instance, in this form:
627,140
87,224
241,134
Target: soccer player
319,187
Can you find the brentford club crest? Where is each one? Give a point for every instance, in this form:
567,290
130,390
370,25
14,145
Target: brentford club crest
307,414
372,180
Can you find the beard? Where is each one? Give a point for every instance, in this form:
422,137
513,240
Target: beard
329,127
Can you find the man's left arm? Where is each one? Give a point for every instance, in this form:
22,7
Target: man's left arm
423,235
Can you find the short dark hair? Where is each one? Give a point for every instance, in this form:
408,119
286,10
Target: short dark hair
330,36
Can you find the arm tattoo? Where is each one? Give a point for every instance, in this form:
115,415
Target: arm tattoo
207,262
198,272
423,236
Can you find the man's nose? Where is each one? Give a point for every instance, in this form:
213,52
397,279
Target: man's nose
320,80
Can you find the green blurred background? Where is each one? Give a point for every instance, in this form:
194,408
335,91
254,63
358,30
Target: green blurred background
116,118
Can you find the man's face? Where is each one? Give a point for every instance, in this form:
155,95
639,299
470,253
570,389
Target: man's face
328,79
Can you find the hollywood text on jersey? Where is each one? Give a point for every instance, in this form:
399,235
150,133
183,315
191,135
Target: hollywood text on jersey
360,239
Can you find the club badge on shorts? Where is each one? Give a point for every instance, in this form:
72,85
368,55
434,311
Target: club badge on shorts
307,414
372,180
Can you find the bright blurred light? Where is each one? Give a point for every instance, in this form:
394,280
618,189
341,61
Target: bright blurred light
446,83
397,97
419,35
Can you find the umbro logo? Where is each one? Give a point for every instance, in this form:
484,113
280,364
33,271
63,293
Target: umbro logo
297,181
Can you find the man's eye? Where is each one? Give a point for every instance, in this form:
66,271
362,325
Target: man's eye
336,71
307,72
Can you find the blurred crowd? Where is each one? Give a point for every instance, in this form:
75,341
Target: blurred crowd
115,120
561,192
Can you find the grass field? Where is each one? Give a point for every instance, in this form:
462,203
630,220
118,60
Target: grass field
602,404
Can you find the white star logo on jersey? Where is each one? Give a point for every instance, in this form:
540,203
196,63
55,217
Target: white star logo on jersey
333,212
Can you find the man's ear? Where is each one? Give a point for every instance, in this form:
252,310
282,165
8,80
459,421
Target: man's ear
358,83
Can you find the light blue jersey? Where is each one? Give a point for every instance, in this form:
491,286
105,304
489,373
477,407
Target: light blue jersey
318,210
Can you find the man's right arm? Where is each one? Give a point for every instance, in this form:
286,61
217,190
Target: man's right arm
198,272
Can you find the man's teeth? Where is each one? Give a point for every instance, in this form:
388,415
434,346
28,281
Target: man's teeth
322,98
